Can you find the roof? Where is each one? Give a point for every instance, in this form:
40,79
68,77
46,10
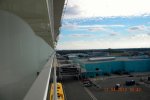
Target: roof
103,59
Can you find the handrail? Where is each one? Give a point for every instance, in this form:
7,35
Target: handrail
55,79
39,89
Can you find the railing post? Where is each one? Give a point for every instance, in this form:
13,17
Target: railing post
55,79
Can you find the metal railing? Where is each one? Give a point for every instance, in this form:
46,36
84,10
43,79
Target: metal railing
55,78
39,89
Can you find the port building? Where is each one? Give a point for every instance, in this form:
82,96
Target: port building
93,67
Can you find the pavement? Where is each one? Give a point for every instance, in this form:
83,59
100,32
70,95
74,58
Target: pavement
74,90
107,92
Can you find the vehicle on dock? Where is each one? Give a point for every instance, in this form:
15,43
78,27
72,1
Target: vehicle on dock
130,82
86,83
60,93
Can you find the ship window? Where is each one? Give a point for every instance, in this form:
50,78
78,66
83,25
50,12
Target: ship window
97,69
97,74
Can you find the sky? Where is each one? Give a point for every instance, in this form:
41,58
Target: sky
103,24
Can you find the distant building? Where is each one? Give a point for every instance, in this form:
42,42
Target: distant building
98,54
102,66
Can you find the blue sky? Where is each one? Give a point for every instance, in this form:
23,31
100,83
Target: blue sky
103,24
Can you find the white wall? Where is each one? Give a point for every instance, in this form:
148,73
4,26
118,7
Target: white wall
22,55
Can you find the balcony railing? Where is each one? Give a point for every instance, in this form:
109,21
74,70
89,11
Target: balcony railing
39,89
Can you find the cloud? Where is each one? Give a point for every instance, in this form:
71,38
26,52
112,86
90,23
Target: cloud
114,34
140,36
114,25
94,29
70,26
137,41
139,29
134,28
107,8
148,33
104,28
72,10
91,28
80,35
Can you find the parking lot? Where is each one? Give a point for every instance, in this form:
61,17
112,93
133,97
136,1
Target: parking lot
106,90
